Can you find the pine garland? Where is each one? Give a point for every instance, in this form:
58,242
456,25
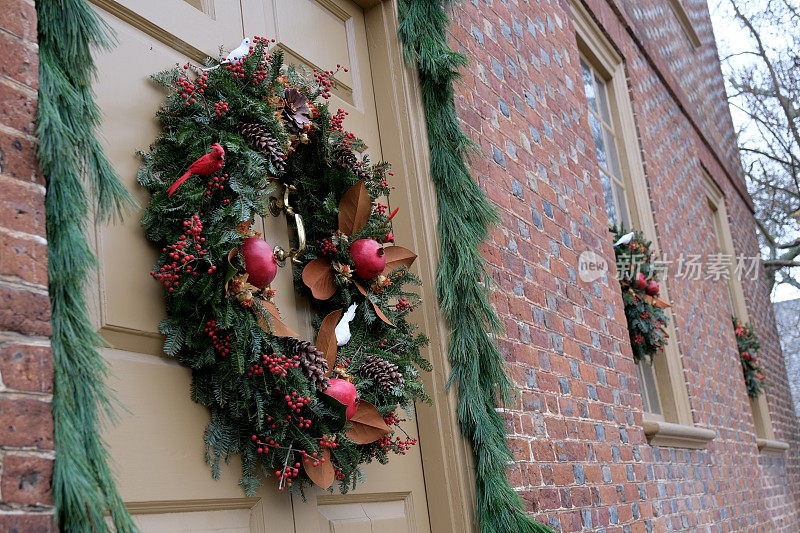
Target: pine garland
464,218
71,159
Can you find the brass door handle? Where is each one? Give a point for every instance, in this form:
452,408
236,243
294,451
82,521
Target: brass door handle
277,205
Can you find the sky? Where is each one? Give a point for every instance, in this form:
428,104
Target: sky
729,39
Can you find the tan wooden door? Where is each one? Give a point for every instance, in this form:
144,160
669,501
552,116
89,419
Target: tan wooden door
157,446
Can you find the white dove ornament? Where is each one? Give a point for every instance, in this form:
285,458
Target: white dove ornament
342,330
625,239
239,52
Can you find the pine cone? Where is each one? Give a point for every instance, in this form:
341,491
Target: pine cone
382,373
363,172
260,139
312,361
295,109
345,158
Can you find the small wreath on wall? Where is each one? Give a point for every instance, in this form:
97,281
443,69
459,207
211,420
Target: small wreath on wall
748,345
644,309
249,138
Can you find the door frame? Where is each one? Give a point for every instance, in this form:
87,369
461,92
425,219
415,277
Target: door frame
447,462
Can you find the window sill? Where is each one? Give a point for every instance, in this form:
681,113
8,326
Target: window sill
660,433
773,447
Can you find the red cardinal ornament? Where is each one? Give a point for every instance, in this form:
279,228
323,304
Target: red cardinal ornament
205,166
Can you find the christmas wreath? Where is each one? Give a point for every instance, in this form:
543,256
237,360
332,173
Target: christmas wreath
248,138
644,310
748,345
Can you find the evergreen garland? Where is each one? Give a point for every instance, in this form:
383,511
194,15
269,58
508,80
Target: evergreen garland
71,159
748,344
644,311
464,218
268,392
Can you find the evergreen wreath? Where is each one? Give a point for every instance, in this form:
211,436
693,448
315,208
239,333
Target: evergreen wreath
305,412
644,310
748,344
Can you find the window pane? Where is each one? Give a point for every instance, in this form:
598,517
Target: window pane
597,136
649,390
587,86
622,204
611,209
601,93
613,159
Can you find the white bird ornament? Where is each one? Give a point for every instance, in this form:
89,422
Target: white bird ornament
625,239
240,52
342,330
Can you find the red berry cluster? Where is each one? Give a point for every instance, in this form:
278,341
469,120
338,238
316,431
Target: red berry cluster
217,182
296,402
389,238
403,304
398,445
383,343
325,80
314,458
186,254
220,108
288,474
264,445
391,419
379,208
324,442
188,88
221,343
279,364
237,67
327,247
337,120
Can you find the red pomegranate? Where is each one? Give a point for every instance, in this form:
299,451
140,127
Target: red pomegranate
345,392
259,263
652,288
640,282
369,258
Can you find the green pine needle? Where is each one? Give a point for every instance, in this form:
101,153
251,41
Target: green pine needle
71,159
464,218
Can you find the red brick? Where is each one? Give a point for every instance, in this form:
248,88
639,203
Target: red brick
19,108
19,18
27,368
26,423
20,61
23,258
27,523
24,311
22,207
18,157
26,480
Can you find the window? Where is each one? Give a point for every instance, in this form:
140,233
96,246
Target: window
605,146
685,22
738,307
667,416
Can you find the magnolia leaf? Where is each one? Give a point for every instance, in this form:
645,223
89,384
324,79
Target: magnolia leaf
368,424
318,276
326,338
232,270
354,208
397,256
278,328
377,309
339,410
323,474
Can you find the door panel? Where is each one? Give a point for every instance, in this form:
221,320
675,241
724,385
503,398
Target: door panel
157,446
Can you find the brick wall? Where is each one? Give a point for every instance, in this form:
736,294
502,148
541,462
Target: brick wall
26,362
583,461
